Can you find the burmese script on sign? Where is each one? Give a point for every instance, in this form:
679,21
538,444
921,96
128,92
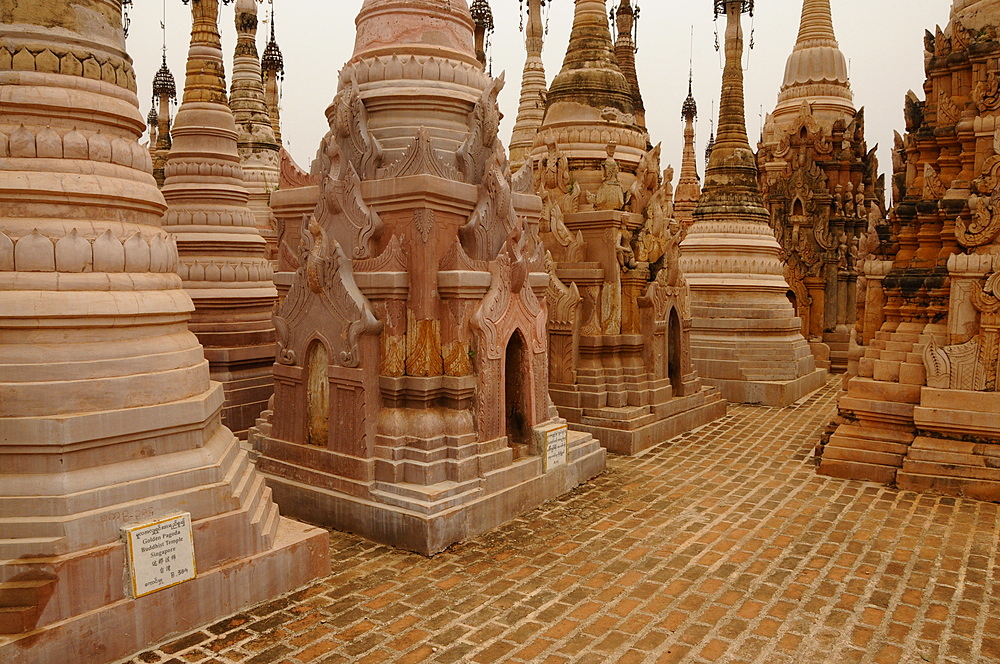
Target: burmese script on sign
160,554
556,449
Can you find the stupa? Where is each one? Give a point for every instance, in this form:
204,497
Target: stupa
821,185
164,95
688,183
619,307
531,108
272,65
256,144
745,337
224,259
108,419
626,19
923,410
411,400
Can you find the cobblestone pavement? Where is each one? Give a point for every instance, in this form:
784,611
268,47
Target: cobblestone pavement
718,546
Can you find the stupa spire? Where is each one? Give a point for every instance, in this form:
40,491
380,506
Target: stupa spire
626,18
816,70
745,336
272,64
224,261
732,162
531,110
689,184
482,14
257,146
164,94
816,22
590,72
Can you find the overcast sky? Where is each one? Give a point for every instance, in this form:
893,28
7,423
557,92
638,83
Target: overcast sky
882,39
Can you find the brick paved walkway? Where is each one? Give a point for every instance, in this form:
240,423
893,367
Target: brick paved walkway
718,546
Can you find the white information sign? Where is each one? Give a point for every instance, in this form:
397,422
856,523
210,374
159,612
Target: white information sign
160,554
556,449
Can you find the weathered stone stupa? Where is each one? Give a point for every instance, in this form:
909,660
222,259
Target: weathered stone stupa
923,410
689,183
619,316
257,146
108,418
411,400
224,261
745,338
531,109
820,184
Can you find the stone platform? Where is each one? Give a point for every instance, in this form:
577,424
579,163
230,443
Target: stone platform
631,429
768,392
721,545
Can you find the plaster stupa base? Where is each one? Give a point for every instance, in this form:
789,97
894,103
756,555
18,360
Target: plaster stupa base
424,518
62,531
246,390
111,632
769,392
744,371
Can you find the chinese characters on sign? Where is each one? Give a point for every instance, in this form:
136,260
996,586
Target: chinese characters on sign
160,554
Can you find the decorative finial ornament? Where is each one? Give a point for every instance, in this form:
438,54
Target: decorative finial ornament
126,21
690,107
482,14
745,8
164,83
272,60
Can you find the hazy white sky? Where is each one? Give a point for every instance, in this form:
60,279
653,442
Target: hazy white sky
883,40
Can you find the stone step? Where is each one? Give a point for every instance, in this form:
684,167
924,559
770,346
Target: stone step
960,471
410,497
34,547
428,493
23,593
18,619
618,414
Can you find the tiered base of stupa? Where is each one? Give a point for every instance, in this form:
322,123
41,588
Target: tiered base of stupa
423,498
65,588
622,405
749,347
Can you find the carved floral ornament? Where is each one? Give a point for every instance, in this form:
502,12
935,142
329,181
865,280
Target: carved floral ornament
511,303
984,205
973,365
987,93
